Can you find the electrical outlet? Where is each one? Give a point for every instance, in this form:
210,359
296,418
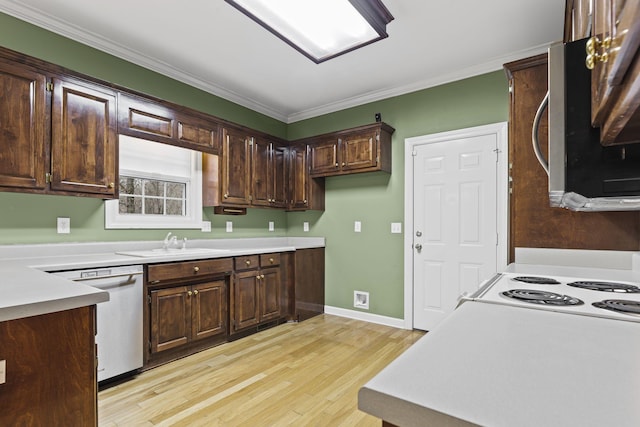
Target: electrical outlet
357,226
272,226
3,371
206,226
396,227
305,226
64,225
361,299
229,226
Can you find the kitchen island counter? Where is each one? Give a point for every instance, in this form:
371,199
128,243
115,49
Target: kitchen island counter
499,365
28,290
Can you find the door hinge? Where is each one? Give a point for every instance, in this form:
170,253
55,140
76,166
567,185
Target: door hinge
149,299
510,86
497,151
49,87
48,178
414,153
497,239
149,345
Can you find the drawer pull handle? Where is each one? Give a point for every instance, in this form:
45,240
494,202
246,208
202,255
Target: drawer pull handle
271,260
195,292
262,276
189,293
196,269
248,262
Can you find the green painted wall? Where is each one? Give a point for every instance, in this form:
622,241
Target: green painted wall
370,261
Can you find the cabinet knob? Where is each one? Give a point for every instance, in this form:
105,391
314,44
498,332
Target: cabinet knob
226,195
271,260
337,164
343,163
111,185
247,262
258,277
195,292
189,293
196,269
262,276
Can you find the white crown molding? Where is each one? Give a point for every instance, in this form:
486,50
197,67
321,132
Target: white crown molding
476,70
88,38
93,40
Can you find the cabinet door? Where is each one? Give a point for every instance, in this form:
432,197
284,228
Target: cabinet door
83,138
324,157
236,168
262,172
280,179
245,300
22,132
270,294
359,151
170,318
208,309
299,178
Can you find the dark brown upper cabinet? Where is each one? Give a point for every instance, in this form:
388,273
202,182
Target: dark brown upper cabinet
613,53
356,150
163,122
305,193
57,133
269,173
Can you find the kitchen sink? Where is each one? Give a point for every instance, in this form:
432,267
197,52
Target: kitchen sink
173,251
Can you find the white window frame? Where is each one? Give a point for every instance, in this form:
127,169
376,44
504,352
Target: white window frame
193,215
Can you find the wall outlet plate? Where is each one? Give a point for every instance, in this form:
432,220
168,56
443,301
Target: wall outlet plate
357,226
272,226
361,299
229,226
206,226
396,227
64,225
305,226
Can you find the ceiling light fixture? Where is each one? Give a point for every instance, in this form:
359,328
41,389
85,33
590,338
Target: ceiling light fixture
321,29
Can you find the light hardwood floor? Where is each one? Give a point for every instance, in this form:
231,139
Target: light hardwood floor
300,374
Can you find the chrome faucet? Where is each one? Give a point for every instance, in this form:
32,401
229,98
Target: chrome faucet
169,240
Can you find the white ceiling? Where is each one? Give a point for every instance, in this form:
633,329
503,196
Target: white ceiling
211,45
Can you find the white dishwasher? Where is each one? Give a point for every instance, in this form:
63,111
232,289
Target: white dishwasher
119,320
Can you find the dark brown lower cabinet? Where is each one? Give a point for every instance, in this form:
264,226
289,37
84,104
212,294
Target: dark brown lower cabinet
51,377
187,308
309,283
184,314
257,292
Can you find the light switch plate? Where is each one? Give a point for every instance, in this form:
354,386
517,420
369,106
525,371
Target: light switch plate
64,225
357,226
229,226
206,226
3,371
272,226
396,227
305,226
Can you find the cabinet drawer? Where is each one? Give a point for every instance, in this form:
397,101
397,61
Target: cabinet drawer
267,260
185,270
247,262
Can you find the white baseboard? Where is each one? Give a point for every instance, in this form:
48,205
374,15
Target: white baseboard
367,317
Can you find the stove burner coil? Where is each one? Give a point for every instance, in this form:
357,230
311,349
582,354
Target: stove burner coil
606,287
541,297
534,280
619,306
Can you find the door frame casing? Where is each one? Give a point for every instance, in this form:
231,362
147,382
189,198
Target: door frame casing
499,129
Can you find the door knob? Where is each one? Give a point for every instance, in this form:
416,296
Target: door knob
418,247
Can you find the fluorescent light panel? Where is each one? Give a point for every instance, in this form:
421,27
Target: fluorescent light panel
321,29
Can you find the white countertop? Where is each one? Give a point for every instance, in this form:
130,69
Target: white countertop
578,371
27,289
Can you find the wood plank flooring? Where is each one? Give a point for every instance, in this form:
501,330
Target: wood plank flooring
301,374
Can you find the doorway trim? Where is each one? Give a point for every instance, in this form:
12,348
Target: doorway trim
499,129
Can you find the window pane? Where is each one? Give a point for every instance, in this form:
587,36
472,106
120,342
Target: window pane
153,206
129,185
175,207
130,205
176,190
154,188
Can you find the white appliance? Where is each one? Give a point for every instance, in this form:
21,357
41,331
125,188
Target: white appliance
611,299
119,320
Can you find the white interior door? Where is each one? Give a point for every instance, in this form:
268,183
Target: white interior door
455,226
